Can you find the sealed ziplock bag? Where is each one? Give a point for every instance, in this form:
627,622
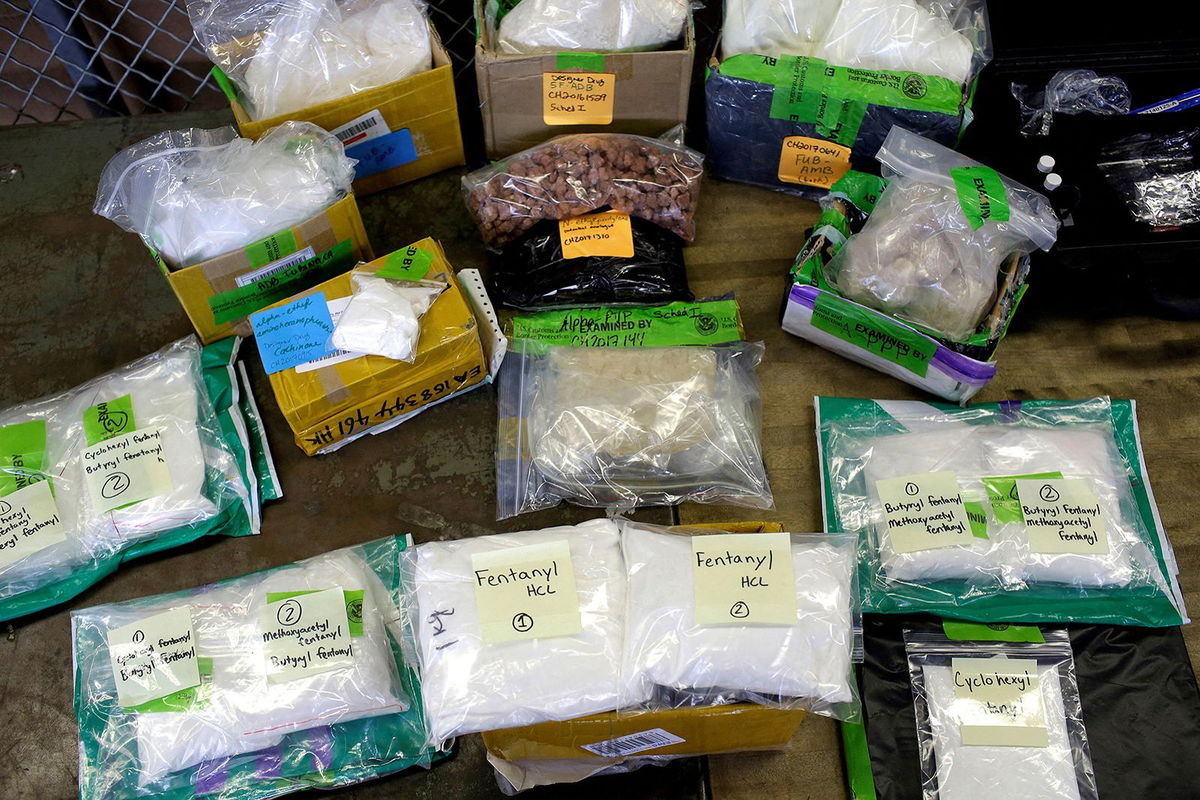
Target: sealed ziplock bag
519,628
997,720
655,179
932,249
715,617
196,194
383,316
1032,511
288,55
627,426
527,27
135,461
251,687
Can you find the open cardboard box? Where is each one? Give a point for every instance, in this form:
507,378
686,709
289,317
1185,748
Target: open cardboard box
650,95
420,113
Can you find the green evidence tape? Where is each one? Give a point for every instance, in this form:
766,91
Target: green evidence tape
857,757
108,419
704,323
272,248
589,62
981,194
184,699
874,333
409,264
226,85
991,632
22,455
237,303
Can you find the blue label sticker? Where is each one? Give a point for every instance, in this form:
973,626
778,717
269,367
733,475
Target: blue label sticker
383,153
293,334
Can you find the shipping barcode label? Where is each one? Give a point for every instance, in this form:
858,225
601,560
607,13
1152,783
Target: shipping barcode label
297,257
336,308
361,129
633,743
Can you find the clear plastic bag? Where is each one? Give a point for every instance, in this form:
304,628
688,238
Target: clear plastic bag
474,682
246,727
1028,510
627,427
383,317
655,179
195,194
962,710
552,26
931,251
1069,91
145,433
681,661
288,55
1158,176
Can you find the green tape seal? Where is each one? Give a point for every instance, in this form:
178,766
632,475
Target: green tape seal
861,189
977,516
991,632
225,84
185,699
22,455
857,757
354,605
981,194
237,303
409,264
874,333
1002,493
271,249
588,62
106,420
704,323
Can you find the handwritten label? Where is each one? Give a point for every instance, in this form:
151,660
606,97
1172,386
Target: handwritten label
998,701
306,634
1002,495
29,522
1062,516
154,657
126,469
812,162
578,98
607,234
526,592
744,579
293,333
334,356
108,419
924,512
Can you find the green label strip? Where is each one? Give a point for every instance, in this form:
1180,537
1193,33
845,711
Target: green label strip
226,85
713,322
22,455
981,194
589,62
977,516
994,632
354,605
874,333
271,249
1002,493
860,188
184,699
409,264
237,303
106,420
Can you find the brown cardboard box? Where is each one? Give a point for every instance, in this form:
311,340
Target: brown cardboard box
330,405
424,104
218,306
651,92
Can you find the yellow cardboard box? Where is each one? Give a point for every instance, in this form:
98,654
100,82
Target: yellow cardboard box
219,293
705,730
327,405
423,104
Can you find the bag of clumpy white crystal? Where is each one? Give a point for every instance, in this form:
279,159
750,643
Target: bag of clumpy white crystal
252,687
999,719
150,456
1029,511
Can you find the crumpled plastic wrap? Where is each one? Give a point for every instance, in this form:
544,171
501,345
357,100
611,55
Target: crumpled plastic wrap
552,26
1069,91
919,257
1157,175
195,194
383,317
349,722
293,54
655,179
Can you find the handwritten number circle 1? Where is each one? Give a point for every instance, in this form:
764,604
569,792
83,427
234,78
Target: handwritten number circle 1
114,485
1048,493
288,613
522,623
739,610
138,636
911,489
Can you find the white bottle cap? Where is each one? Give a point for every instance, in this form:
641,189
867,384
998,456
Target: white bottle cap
1052,182
1046,163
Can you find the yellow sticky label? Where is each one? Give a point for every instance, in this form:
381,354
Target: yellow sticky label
578,98
1062,515
126,469
812,162
607,234
744,579
526,593
924,512
998,702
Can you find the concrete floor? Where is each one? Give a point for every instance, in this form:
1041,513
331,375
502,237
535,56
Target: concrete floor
80,297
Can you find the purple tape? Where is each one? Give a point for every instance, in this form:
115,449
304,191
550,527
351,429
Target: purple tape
270,764
211,776
321,741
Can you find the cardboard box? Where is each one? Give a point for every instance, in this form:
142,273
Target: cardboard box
424,105
460,349
650,94
216,301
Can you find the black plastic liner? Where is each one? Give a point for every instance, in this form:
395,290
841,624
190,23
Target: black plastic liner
1141,708
532,274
